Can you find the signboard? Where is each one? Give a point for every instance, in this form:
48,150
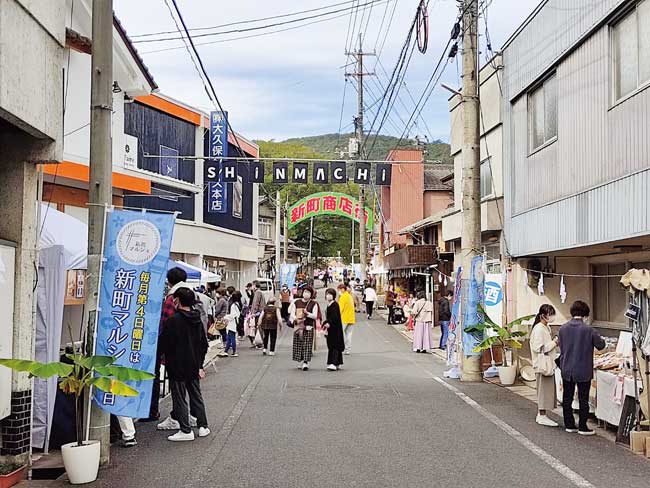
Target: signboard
130,152
7,275
168,165
75,291
288,275
218,147
493,293
136,254
328,203
475,292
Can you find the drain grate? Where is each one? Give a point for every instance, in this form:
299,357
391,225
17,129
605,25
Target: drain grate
339,387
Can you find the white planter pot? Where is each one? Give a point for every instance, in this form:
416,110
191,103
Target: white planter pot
81,462
507,374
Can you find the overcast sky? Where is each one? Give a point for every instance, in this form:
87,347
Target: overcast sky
290,84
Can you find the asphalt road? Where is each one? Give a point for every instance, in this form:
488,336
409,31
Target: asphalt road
385,420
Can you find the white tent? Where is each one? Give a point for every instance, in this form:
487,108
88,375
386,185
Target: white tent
63,244
206,276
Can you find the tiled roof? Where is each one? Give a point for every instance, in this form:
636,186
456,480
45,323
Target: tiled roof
433,173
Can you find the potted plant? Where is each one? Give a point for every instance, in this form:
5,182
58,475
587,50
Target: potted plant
506,336
81,458
11,474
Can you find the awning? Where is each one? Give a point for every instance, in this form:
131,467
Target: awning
195,273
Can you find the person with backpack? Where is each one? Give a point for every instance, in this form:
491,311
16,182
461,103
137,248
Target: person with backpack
269,322
232,319
185,344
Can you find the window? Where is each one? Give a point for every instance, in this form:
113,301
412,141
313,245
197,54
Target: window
264,228
610,299
486,179
542,113
492,256
631,44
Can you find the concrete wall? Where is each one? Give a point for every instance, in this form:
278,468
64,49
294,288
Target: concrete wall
436,201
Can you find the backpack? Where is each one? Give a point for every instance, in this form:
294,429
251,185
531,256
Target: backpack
200,307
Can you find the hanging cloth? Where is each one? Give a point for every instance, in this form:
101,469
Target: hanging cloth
562,290
540,284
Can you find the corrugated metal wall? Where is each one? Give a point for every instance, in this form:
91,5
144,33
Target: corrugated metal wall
598,141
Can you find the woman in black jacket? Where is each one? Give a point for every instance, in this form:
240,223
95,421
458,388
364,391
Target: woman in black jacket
334,328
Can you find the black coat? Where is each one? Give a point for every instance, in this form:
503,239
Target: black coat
184,344
335,339
444,310
577,342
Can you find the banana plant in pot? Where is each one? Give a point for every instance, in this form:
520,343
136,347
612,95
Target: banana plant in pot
505,336
77,374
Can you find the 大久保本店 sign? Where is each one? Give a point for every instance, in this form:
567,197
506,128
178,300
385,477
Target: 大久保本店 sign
328,203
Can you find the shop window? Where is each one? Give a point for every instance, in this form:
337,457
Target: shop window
542,113
609,298
630,47
486,179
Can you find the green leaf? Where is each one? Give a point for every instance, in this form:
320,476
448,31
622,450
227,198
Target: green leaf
35,368
486,317
113,386
520,320
124,374
90,362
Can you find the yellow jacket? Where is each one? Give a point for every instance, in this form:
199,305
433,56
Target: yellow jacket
346,304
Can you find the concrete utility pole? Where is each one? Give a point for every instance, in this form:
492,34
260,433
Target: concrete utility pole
359,74
278,223
100,190
471,233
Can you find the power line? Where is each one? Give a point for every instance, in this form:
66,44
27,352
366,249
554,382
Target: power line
250,21
266,26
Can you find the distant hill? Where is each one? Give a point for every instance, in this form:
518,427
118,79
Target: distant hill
329,145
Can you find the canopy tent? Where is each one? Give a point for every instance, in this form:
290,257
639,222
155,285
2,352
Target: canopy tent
63,244
194,273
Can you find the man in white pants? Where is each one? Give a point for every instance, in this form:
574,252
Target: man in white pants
128,431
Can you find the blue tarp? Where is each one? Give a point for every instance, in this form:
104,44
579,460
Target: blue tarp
192,274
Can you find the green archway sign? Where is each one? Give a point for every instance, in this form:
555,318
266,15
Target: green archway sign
328,203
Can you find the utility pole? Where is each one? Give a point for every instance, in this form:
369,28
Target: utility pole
286,231
100,188
278,217
359,74
471,232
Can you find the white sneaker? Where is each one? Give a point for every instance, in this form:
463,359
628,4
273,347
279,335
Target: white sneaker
272,353
204,432
263,352
544,420
331,367
192,421
346,352
181,436
305,366
168,424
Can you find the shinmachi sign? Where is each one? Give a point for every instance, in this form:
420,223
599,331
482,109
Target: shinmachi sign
328,203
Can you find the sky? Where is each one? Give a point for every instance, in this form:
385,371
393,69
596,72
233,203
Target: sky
291,84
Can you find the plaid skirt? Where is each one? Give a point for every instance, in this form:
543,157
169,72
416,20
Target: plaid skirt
303,346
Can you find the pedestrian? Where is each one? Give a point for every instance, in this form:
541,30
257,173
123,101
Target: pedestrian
544,351
422,313
185,344
233,319
257,304
577,341
369,297
176,278
220,311
348,318
334,331
285,301
128,431
269,322
390,304
305,313
444,317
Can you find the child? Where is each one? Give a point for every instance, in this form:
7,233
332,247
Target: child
232,320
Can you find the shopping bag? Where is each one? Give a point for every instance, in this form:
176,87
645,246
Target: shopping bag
258,339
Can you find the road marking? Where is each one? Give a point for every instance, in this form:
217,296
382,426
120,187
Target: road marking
221,438
553,462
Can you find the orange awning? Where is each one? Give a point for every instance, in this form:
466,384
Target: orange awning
81,172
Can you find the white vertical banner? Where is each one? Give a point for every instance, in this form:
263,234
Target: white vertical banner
494,297
7,261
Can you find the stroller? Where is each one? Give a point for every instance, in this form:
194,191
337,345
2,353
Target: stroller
399,317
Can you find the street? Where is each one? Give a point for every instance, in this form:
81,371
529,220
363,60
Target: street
386,419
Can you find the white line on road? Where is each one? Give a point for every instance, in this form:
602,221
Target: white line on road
557,465
553,462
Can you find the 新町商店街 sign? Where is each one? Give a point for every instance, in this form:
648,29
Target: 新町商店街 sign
328,203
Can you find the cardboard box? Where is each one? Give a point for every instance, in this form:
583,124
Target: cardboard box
638,441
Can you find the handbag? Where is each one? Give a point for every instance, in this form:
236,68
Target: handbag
544,364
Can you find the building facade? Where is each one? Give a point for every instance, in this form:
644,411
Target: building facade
32,52
577,154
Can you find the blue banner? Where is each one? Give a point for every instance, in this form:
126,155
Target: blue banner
452,333
471,317
136,253
168,162
288,275
218,145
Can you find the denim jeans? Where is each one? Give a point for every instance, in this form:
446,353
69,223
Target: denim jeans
231,341
181,391
444,329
